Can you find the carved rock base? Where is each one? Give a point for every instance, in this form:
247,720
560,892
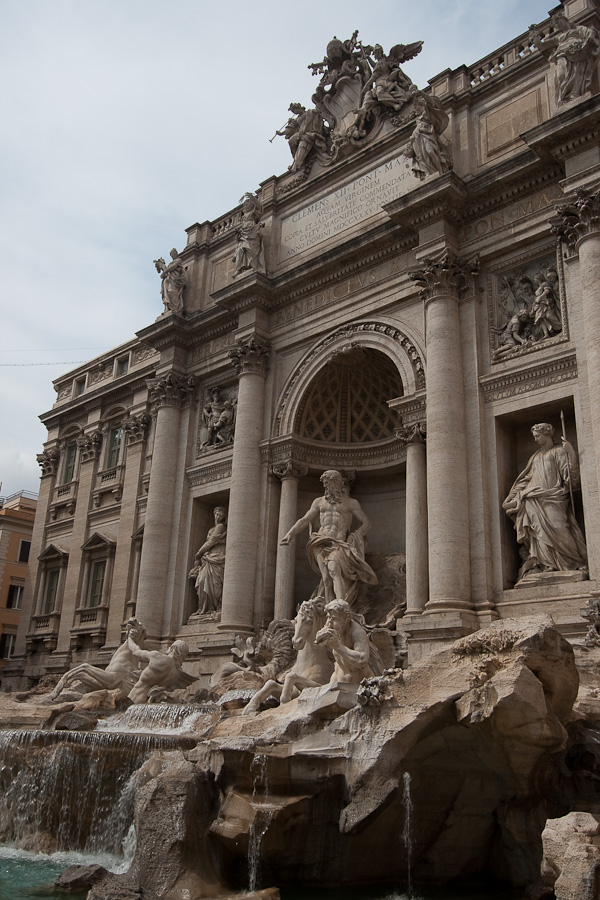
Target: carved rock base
535,579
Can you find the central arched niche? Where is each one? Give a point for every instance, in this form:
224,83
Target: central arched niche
345,405
346,400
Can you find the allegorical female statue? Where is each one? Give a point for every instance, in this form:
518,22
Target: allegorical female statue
541,505
210,567
173,282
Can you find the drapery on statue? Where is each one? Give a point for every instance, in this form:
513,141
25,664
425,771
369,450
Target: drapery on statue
248,253
426,149
388,85
334,551
173,282
544,309
540,502
575,50
119,673
163,671
210,566
349,643
305,131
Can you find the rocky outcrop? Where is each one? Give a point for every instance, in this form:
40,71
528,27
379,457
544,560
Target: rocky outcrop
468,741
571,863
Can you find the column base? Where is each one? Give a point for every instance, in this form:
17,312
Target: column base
434,630
235,628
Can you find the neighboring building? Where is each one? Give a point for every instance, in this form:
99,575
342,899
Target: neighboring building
420,289
17,513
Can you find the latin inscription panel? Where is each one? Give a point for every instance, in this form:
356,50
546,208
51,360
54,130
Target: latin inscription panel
349,205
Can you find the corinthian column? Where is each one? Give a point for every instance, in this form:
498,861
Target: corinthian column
417,561
167,395
578,224
249,357
288,473
447,487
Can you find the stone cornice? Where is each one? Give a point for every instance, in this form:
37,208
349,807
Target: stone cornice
252,290
168,331
317,456
411,409
566,132
209,472
442,198
524,380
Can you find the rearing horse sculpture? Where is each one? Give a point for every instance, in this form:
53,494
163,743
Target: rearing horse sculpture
314,663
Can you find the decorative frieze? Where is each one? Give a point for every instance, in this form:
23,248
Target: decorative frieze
217,471
523,381
578,218
445,275
322,456
250,355
135,427
89,445
144,352
171,390
48,461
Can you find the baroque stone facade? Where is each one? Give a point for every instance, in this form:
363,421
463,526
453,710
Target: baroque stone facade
419,290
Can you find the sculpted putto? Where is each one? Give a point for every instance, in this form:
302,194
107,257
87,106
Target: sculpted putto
209,566
335,551
173,282
540,503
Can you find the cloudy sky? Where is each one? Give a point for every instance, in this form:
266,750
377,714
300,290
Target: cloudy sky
125,121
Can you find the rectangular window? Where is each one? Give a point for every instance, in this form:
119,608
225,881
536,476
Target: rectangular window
114,447
15,595
70,455
97,582
24,551
7,645
79,387
50,592
122,366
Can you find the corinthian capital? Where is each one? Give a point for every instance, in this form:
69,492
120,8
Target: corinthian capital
415,433
135,427
89,445
289,469
171,390
578,218
444,275
250,354
48,460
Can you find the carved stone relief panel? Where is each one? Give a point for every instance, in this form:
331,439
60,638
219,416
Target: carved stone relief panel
526,302
217,418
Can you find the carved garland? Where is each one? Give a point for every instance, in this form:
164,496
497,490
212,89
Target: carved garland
346,331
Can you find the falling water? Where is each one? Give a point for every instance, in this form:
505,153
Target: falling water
70,790
158,718
263,814
406,832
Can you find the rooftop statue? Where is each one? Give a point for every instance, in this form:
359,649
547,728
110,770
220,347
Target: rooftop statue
121,672
359,85
249,250
209,566
335,551
428,152
541,504
574,49
173,279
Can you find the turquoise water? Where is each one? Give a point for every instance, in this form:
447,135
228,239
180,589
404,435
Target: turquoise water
30,876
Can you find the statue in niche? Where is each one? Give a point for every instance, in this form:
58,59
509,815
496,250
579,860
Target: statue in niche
209,567
304,132
426,149
248,253
173,279
218,418
163,672
119,673
335,551
574,49
541,504
349,642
